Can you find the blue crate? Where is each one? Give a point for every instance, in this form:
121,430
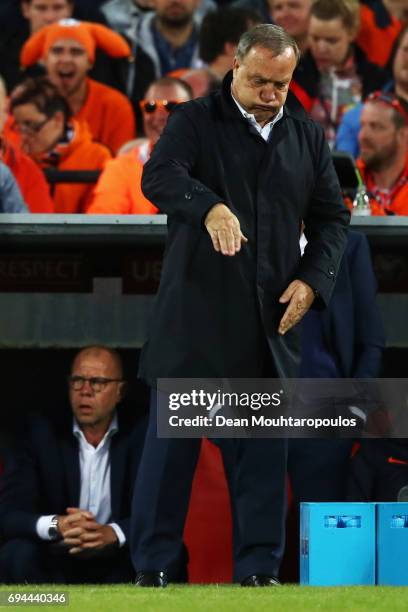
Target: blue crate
392,543
337,544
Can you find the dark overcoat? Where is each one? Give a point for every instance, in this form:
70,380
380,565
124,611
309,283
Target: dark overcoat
212,312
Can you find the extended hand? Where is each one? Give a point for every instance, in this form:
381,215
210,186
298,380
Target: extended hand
224,229
300,297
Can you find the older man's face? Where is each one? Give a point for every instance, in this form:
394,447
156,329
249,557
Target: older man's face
40,13
261,81
92,407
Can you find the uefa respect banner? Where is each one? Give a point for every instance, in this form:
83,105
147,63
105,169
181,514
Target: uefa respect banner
276,408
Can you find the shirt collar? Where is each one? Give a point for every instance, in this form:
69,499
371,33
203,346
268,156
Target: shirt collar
112,429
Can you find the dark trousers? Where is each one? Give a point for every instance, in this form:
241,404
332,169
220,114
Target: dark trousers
162,495
24,560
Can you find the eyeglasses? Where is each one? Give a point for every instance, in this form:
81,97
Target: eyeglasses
29,127
390,100
151,106
97,383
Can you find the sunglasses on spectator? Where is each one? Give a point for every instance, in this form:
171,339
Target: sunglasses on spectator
390,100
29,127
151,106
97,383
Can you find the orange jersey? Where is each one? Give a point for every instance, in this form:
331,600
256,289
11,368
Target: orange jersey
109,115
81,153
397,196
377,34
119,191
33,185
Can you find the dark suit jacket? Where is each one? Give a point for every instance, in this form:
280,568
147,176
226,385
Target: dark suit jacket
352,323
42,475
213,313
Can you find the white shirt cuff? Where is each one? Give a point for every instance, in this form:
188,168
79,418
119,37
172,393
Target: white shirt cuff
42,526
121,536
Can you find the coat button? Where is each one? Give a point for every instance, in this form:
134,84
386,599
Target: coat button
331,271
188,195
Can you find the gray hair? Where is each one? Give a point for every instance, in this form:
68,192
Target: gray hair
268,36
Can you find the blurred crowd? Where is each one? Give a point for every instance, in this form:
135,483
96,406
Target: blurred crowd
88,86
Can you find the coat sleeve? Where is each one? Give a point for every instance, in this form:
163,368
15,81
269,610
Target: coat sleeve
326,221
168,177
19,494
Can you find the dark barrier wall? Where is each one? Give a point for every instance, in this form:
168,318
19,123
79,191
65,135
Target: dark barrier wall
70,281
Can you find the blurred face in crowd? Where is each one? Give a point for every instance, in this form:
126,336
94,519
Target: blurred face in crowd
95,407
67,65
199,80
39,133
329,42
154,122
3,106
292,15
261,81
175,13
398,8
400,66
380,139
44,12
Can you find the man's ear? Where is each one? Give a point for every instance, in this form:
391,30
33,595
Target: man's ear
235,63
122,390
230,49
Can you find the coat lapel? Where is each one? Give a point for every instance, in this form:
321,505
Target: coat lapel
118,470
70,458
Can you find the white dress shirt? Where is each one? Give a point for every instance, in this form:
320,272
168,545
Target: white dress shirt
264,131
95,489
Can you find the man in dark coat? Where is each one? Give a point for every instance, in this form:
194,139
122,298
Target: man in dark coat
236,172
64,495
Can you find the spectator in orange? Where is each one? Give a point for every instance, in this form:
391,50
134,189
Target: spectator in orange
51,136
29,177
383,160
67,49
380,25
118,190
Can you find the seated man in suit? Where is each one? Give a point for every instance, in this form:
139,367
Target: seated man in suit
65,494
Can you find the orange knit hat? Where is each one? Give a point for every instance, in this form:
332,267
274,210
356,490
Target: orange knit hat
89,35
